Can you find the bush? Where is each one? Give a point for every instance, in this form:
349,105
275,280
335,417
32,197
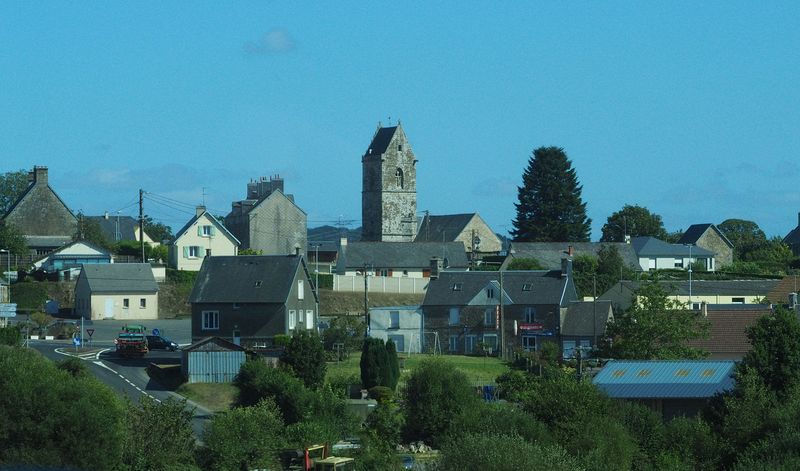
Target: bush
381,394
158,436
504,453
181,276
306,357
281,340
11,336
379,365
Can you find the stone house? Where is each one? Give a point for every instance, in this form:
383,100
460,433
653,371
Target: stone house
121,291
389,187
42,216
268,221
709,237
478,238
201,237
249,299
524,307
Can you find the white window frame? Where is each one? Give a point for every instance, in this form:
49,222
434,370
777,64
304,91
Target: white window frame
309,319
490,317
207,230
470,341
194,251
210,320
394,319
301,290
491,340
452,343
292,319
530,315
142,303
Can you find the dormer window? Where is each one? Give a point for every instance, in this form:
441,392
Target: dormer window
490,293
526,287
458,286
257,284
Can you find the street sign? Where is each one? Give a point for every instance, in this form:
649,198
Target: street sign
8,310
76,341
156,332
90,332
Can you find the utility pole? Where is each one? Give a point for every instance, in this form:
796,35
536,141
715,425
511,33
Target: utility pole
502,330
366,302
594,311
141,222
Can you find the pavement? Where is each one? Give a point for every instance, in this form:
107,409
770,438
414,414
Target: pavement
126,376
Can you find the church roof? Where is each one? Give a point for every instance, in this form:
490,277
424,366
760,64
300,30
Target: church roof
442,228
381,140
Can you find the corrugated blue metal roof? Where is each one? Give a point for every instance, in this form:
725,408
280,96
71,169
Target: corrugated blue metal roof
637,379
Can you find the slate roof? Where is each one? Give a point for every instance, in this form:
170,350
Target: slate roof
660,379
652,247
545,287
381,140
400,255
128,227
695,231
793,237
120,278
442,228
213,344
265,279
580,315
47,241
549,254
214,220
729,323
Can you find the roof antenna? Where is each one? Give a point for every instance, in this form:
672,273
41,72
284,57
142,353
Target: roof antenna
390,120
204,196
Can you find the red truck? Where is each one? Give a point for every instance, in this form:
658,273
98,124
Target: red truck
131,341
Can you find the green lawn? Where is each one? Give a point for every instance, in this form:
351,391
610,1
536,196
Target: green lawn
479,370
215,397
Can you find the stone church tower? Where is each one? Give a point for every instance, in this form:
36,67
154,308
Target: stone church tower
389,188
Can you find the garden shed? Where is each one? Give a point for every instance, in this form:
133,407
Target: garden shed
212,360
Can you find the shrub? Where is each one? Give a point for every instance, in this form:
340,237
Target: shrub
306,357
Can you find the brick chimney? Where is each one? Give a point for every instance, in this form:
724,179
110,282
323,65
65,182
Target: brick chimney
38,175
569,250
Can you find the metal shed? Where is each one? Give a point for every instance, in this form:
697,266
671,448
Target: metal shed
212,360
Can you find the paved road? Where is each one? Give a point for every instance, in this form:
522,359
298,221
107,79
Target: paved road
126,376
177,330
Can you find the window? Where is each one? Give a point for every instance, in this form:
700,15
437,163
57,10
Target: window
300,290
489,317
205,231
526,287
469,343
458,286
530,315
382,272
191,251
210,320
126,303
678,263
292,319
405,272
490,293
398,177
568,347
309,319
394,319
454,316
142,303
235,306
399,342
453,343
737,300
491,341
529,343
400,147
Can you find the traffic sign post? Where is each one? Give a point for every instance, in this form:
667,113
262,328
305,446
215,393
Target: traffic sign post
156,332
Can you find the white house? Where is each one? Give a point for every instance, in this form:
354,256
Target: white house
201,237
121,291
655,254
68,259
400,324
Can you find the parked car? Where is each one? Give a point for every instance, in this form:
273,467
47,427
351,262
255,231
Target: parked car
157,342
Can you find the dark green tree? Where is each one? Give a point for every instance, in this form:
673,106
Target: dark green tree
158,436
611,268
655,327
306,356
584,273
550,208
435,394
775,355
12,185
525,264
504,452
12,239
374,363
157,231
634,221
745,236
392,374
90,231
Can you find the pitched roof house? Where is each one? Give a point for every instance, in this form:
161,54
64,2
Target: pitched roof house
655,254
469,228
42,216
583,324
709,237
549,254
727,338
120,291
399,259
118,228
268,221
249,299
199,238
463,308
792,239
72,256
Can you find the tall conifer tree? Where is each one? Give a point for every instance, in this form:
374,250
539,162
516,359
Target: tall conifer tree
550,207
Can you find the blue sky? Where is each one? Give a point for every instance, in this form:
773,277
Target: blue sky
688,108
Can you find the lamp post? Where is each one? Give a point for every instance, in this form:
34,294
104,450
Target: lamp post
690,275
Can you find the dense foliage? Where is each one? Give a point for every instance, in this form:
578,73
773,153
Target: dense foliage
550,207
305,355
633,221
379,364
12,186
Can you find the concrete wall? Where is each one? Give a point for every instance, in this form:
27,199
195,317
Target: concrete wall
101,305
380,284
277,226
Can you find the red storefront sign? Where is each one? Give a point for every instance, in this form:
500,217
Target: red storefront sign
531,327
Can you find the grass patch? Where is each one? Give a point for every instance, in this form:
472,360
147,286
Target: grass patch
216,397
479,370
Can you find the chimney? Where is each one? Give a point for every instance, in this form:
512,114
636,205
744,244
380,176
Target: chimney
704,309
296,250
566,267
436,267
569,250
792,300
38,175
200,210
105,215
